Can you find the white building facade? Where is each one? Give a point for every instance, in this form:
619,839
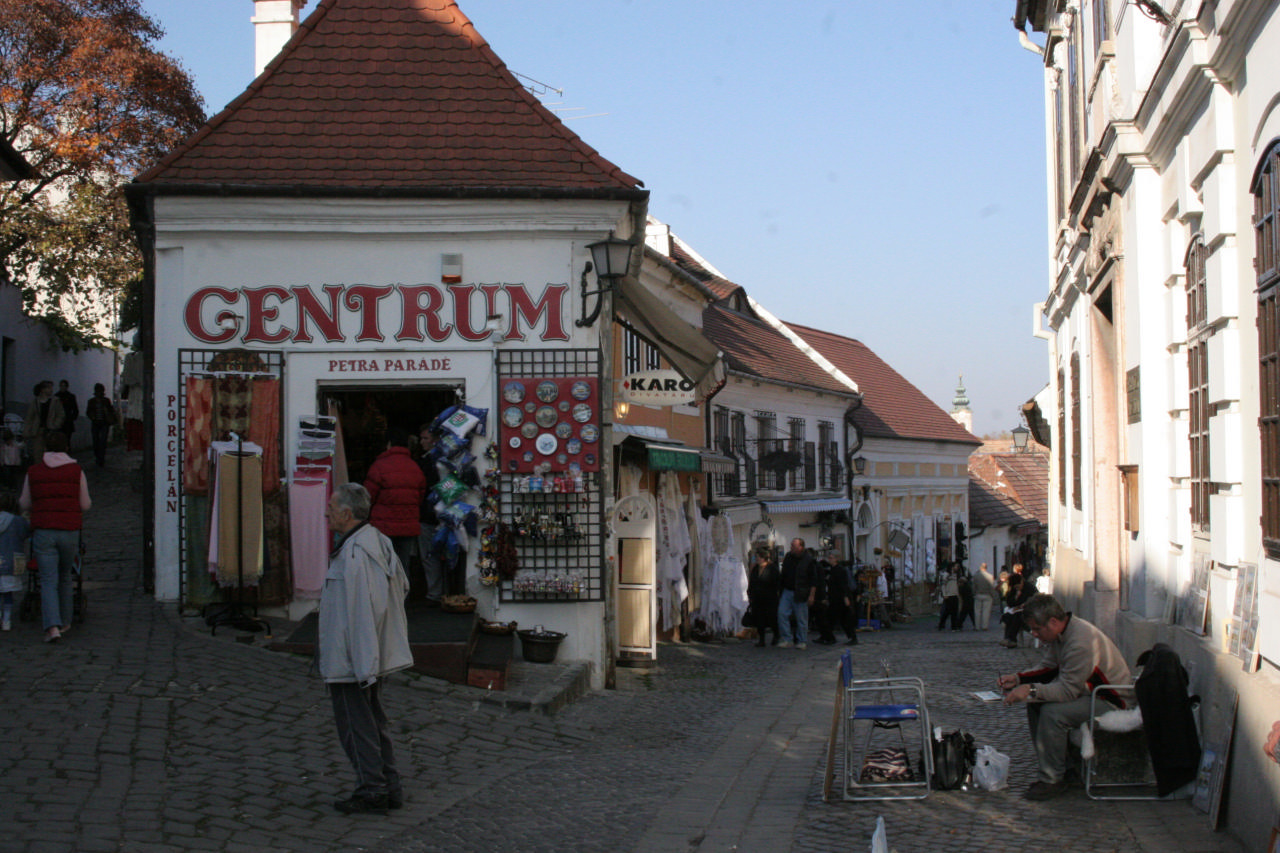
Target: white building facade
1164,213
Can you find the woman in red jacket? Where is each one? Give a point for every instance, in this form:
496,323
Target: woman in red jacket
397,486
57,495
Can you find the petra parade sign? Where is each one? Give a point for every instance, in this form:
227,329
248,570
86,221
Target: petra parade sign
338,313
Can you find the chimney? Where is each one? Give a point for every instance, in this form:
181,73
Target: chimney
274,22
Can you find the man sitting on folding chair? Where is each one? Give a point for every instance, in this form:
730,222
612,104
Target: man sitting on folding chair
1077,658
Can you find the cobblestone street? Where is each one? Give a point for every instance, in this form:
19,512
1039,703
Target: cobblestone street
142,732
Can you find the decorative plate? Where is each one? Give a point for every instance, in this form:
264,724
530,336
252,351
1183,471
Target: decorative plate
547,391
529,430
512,416
527,456
589,433
513,392
580,390
561,458
546,417
530,406
547,444
590,459
582,413
573,446
564,429
564,405
514,442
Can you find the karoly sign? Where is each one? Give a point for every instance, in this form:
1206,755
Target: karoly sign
657,388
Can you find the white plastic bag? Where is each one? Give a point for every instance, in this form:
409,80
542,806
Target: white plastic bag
991,772
880,838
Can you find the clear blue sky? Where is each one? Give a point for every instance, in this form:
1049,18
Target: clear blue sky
875,169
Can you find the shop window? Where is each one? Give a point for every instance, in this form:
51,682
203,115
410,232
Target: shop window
1266,226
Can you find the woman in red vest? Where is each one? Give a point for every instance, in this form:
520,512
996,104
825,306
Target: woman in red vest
57,495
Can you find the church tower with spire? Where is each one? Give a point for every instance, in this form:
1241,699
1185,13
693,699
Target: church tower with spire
960,411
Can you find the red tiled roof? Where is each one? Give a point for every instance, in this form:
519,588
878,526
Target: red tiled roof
714,282
892,407
989,508
399,95
757,349
1020,477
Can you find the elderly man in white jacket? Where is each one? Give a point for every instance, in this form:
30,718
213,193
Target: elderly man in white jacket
364,636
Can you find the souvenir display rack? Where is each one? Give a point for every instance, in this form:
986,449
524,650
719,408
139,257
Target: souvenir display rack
553,510
193,361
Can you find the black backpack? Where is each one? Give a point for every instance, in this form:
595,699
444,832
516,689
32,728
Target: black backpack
953,760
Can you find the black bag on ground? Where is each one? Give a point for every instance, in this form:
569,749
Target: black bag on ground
953,759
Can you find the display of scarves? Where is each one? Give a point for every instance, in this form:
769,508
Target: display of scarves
264,428
236,553
672,551
232,402
197,428
726,598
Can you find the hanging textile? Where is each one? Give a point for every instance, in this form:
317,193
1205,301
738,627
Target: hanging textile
196,434
726,598
236,515
232,398
672,551
308,535
696,572
264,428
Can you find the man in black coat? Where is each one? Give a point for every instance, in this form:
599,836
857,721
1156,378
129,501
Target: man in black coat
840,601
799,573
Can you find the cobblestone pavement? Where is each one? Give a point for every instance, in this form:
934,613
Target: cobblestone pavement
142,732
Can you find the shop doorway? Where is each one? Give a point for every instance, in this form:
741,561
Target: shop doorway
365,414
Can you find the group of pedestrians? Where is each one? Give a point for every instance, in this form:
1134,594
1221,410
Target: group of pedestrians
972,597
46,515
781,598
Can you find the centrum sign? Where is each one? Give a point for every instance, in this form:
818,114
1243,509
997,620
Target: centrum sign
657,388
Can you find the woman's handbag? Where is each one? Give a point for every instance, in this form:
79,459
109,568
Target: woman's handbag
748,618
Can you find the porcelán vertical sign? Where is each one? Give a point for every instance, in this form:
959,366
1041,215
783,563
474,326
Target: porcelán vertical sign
369,313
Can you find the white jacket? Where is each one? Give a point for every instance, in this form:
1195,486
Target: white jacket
363,631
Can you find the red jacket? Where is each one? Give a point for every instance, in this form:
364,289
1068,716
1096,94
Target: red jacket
397,487
55,497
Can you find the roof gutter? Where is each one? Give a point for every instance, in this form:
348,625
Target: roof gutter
135,189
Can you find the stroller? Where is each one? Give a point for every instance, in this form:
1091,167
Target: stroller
29,610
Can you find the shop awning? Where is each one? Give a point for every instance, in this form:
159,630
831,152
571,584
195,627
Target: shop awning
809,505
664,454
697,359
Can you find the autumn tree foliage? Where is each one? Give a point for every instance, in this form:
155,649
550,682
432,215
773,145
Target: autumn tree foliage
89,102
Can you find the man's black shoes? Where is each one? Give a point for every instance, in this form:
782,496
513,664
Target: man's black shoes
366,804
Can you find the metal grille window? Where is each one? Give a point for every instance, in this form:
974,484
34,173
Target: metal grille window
1198,385
744,476
1266,226
824,455
632,350
726,484
1077,482
652,358
766,444
796,427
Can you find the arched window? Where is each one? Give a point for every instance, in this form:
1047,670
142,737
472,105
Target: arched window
1266,229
